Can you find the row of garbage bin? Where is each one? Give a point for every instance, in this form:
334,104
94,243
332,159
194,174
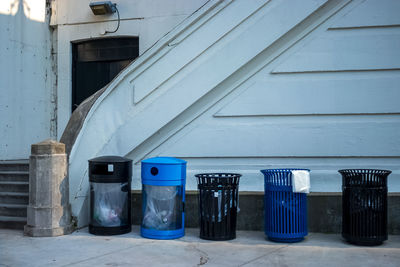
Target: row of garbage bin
364,198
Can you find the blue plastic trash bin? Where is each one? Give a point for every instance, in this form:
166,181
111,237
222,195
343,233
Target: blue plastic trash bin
285,212
163,198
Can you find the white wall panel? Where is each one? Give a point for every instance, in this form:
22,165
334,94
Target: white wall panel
333,95
327,119
202,94
350,49
370,13
298,137
132,124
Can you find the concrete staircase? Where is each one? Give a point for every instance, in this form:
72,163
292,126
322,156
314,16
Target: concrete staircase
14,193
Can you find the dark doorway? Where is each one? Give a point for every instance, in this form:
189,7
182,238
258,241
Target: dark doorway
97,62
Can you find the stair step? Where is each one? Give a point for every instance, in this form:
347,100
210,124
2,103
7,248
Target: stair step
18,176
13,210
14,165
8,222
14,186
14,198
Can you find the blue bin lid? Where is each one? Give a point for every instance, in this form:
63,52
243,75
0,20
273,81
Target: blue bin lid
164,160
163,171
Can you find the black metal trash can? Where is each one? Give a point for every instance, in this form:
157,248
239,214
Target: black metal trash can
364,203
110,195
218,202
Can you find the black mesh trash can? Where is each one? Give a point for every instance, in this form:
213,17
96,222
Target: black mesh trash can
110,195
364,200
218,202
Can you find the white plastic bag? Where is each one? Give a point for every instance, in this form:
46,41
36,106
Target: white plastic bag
109,203
301,181
163,207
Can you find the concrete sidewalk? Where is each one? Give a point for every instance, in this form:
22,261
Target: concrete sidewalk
248,249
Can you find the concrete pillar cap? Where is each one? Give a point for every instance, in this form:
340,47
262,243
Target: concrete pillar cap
47,147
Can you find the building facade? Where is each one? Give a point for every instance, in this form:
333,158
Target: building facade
239,86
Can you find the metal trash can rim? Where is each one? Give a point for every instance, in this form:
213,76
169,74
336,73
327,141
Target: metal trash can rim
284,170
218,175
365,171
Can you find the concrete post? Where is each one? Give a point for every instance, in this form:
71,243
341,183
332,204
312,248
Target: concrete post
49,210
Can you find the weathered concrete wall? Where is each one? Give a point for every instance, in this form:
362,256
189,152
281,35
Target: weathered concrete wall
324,211
27,107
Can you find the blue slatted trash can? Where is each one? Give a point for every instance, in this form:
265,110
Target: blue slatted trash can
163,198
285,212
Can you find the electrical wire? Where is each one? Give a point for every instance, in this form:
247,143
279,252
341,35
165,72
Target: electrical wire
118,22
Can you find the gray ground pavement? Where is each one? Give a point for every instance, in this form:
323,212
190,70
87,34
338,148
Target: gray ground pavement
249,249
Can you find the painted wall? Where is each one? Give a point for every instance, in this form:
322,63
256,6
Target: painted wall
248,85
27,112
328,102
147,19
35,65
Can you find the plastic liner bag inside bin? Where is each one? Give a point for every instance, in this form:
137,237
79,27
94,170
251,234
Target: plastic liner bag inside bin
163,207
109,209
222,207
